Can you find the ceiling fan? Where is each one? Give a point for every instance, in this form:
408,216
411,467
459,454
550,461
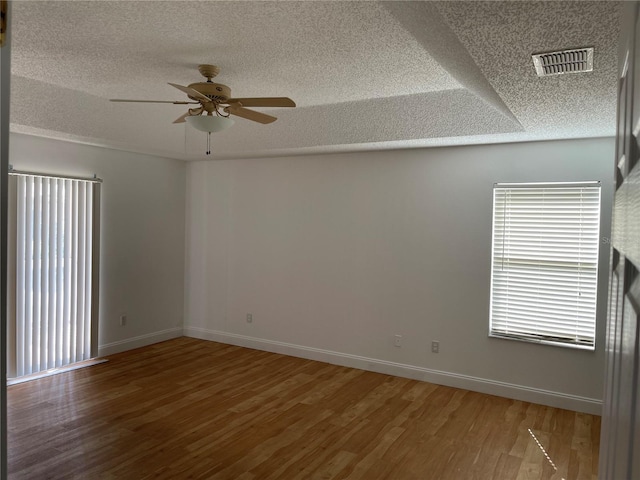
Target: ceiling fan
215,99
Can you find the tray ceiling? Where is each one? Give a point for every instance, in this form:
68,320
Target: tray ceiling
364,74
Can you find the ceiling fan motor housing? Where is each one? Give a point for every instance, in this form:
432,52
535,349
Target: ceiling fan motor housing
217,92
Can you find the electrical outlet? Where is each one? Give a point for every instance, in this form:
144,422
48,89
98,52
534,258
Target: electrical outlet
435,347
123,320
249,318
397,341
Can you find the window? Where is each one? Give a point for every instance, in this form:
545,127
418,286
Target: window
545,263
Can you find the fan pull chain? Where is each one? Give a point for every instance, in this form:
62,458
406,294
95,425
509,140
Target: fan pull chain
208,143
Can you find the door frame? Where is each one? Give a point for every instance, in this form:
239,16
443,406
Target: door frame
5,77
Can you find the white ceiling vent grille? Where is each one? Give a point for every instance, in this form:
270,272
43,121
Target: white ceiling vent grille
565,61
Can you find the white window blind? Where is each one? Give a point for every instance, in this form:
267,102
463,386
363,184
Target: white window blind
55,272
545,262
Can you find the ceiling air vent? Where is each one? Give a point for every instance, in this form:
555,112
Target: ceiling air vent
565,61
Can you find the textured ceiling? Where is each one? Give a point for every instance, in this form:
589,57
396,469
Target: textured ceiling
363,74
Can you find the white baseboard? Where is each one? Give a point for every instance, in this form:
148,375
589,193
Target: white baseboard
482,385
140,341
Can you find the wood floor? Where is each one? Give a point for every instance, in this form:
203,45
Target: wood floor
189,408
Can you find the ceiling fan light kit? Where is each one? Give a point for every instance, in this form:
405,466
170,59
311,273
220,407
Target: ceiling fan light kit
215,99
209,123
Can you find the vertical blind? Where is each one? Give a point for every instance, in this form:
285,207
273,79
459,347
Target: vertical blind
545,262
54,301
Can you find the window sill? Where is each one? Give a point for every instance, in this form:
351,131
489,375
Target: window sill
543,342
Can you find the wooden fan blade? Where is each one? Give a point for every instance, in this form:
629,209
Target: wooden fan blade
151,101
264,102
190,112
191,92
250,114
181,118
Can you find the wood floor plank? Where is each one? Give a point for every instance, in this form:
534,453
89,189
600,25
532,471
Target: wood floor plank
192,409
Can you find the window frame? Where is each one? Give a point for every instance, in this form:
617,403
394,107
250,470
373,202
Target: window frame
529,335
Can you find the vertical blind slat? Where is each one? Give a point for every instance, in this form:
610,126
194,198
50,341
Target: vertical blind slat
73,265
81,269
53,219
37,274
21,287
60,280
44,279
88,265
66,354
88,284
28,270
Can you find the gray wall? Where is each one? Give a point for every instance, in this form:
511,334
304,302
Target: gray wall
334,255
142,235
